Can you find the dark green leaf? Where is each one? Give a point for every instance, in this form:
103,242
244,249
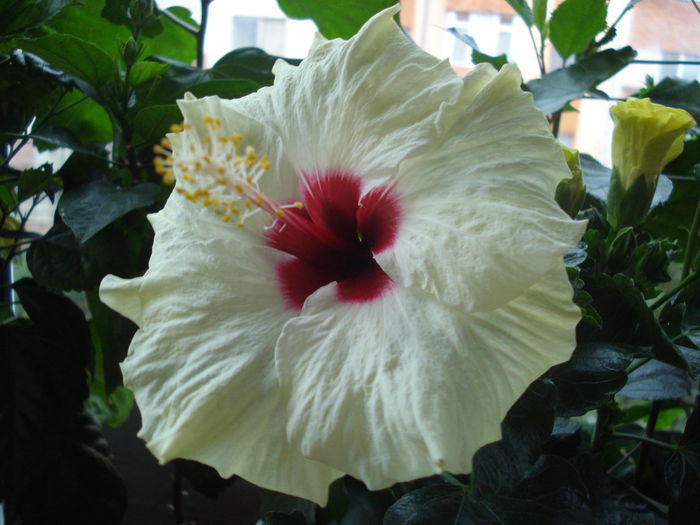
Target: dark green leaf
248,63
174,41
575,23
677,93
498,61
85,119
59,262
692,357
597,179
47,448
426,506
539,13
152,123
19,16
335,19
528,424
75,57
663,348
364,507
555,89
144,71
276,501
225,88
673,218
33,181
682,473
655,381
280,518
206,480
90,208
523,9
590,378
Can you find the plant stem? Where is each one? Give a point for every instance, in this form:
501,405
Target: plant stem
685,282
601,431
201,32
540,60
692,240
556,121
644,441
184,25
624,459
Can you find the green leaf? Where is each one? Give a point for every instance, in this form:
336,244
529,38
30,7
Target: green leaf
248,63
144,71
32,181
673,218
59,262
335,19
554,90
539,14
152,123
498,61
589,379
90,208
656,381
527,425
20,16
174,41
682,473
650,329
523,9
575,23
86,120
426,506
677,93
225,88
48,447
75,57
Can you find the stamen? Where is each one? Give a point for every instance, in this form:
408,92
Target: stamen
215,174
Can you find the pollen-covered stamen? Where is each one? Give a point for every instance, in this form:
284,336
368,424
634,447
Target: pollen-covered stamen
163,161
215,173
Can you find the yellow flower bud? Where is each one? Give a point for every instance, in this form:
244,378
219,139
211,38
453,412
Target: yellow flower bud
647,136
570,192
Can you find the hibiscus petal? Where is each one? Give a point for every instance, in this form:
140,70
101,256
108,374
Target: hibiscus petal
202,364
361,105
403,387
483,205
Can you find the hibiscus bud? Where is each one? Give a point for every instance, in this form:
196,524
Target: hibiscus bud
570,192
131,51
619,249
646,137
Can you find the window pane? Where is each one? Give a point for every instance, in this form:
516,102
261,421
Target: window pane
245,31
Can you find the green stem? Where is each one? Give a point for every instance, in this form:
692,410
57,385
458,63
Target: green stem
184,25
692,240
201,32
665,297
643,439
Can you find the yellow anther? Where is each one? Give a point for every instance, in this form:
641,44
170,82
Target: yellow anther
238,188
249,180
197,164
221,181
265,162
208,120
236,139
232,208
250,156
218,211
175,128
221,170
215,201
248,204
260,199
279,211
170,158
159,169
186,125
188,177
206,202
229,156
206,159
298,205
192,148
226,218
217,121
240,223
206,140
165,142
158,161
158,149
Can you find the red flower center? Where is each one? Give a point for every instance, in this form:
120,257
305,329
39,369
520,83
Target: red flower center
334,237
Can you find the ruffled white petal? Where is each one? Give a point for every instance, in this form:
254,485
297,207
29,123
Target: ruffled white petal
360,105
202,364
479,223
122,295
404,387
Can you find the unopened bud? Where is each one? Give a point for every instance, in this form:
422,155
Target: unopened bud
571,192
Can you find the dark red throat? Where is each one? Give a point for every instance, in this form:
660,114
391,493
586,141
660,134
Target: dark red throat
334,238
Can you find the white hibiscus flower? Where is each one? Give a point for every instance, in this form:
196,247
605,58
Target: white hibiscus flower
396,285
